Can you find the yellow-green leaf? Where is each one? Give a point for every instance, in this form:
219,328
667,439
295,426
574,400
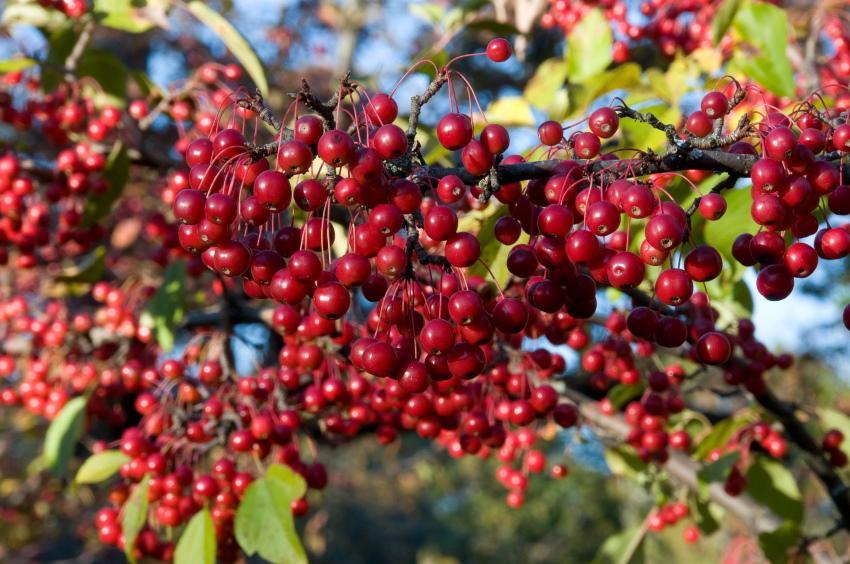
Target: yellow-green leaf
234,41
100,466
15,65
135,515
589,47
511,111
197,543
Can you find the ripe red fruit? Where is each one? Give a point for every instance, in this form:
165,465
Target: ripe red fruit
389,141
713,348
495,138
336,148
715,105
308,129
507,230
703,263
382,109
498,50
440,223
294,157
800,259
454,131
674,286
712,206
604,122
625,270
272,190
550,133
699,123
476,158
331,300
775,282
462,250
586,145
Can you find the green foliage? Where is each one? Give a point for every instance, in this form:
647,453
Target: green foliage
100,466
776,545
14,65
721,234
589,47
63,434
723,19
834,419
109,72
623,547
197,543
621,394
511,111
124,15
622,461
770,483
719,436
134,516
706,515
165,309
716,471
234,41
116,173
264,523
765,27
494,254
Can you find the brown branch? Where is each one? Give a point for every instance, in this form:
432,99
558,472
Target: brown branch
419,100
73,59
257,105
326,110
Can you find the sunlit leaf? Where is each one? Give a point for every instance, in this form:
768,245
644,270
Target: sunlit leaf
765,27
15,65
63,434
589,46
134,516
772,484
116,173
100,466
264,524
234,41
723,19
125,15
197,543
622,548
511,111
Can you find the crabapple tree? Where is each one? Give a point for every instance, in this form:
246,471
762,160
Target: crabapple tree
422,267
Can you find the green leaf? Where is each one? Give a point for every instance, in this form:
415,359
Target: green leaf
116,173
716,471
772,484
589,47
765,27
548,79
144,82
721,234
624,462
89,269
776,544
705,514
197,543
581,96
621,394
493,253
511,111
622,548
122,14
719,436
165,309
264,523
493,26
645,136
109,72
135,515
63,434
15,65
723,19
34,15
234,41
60,43
743,297
100,466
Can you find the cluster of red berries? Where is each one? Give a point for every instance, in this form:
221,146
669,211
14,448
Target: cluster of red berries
668,515
74,9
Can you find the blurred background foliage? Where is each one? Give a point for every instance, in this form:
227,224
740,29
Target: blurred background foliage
411,502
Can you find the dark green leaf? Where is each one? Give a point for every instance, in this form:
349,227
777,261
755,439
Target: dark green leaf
705,514
621,394
264,523
197,543
743,297
134,516
589,47
769,482
723,19
63,434
100,466
126,15
89,269
776,545
581,96
116,173
493,26
716,471
494,255
622,461
144,82
108,71
14,65
622,548
234,41
165,309
719,436
60,43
